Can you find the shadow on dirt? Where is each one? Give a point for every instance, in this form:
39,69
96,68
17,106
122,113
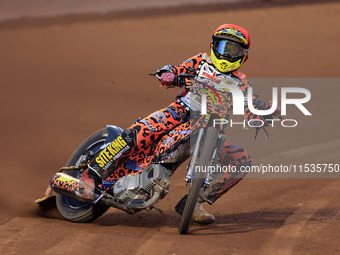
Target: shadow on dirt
247,222
252,221
225,224
142,219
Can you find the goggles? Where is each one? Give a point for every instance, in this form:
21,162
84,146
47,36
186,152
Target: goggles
228,48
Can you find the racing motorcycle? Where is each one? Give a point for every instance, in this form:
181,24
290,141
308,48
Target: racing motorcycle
139,187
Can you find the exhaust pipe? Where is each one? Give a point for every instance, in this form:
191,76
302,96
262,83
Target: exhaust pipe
67,185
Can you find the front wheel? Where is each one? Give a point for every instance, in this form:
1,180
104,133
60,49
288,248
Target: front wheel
197,180
70,208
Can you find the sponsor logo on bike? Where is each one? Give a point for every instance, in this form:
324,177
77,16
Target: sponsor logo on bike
108,184
112,151
64,182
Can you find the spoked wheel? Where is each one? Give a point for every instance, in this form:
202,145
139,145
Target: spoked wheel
197,180
70,208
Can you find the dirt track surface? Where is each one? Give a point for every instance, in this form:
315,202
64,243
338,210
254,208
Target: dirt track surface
62,82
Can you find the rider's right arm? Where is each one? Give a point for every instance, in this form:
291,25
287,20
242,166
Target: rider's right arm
189,66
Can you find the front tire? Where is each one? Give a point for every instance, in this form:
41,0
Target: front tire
71,209
198,179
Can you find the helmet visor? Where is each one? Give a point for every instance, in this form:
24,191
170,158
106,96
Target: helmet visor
228,48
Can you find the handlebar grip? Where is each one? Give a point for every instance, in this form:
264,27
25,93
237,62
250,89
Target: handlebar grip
181,80
262,106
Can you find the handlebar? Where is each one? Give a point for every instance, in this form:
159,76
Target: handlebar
182,80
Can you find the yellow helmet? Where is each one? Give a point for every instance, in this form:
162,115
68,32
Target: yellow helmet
229,47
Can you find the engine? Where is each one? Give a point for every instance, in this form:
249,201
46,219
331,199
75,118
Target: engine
142,185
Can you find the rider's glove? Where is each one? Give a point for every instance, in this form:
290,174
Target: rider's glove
269,118
277,110
167,79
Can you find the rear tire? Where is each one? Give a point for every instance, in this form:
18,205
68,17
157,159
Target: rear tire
197,181
71,209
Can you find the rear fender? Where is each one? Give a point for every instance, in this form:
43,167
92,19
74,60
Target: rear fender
112,133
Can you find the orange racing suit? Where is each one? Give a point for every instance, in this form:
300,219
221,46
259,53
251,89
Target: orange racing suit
145,133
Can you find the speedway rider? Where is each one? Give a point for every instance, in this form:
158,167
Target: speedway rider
229,50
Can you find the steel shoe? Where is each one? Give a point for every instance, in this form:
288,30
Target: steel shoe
199,216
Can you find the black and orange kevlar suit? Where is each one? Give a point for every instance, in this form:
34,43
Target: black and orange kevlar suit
143,136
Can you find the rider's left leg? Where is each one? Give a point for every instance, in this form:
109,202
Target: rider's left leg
138,138
234,157
221,182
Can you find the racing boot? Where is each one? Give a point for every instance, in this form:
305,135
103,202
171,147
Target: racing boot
199,216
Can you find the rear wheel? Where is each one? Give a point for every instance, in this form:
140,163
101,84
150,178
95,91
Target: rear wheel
197,180
70,208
